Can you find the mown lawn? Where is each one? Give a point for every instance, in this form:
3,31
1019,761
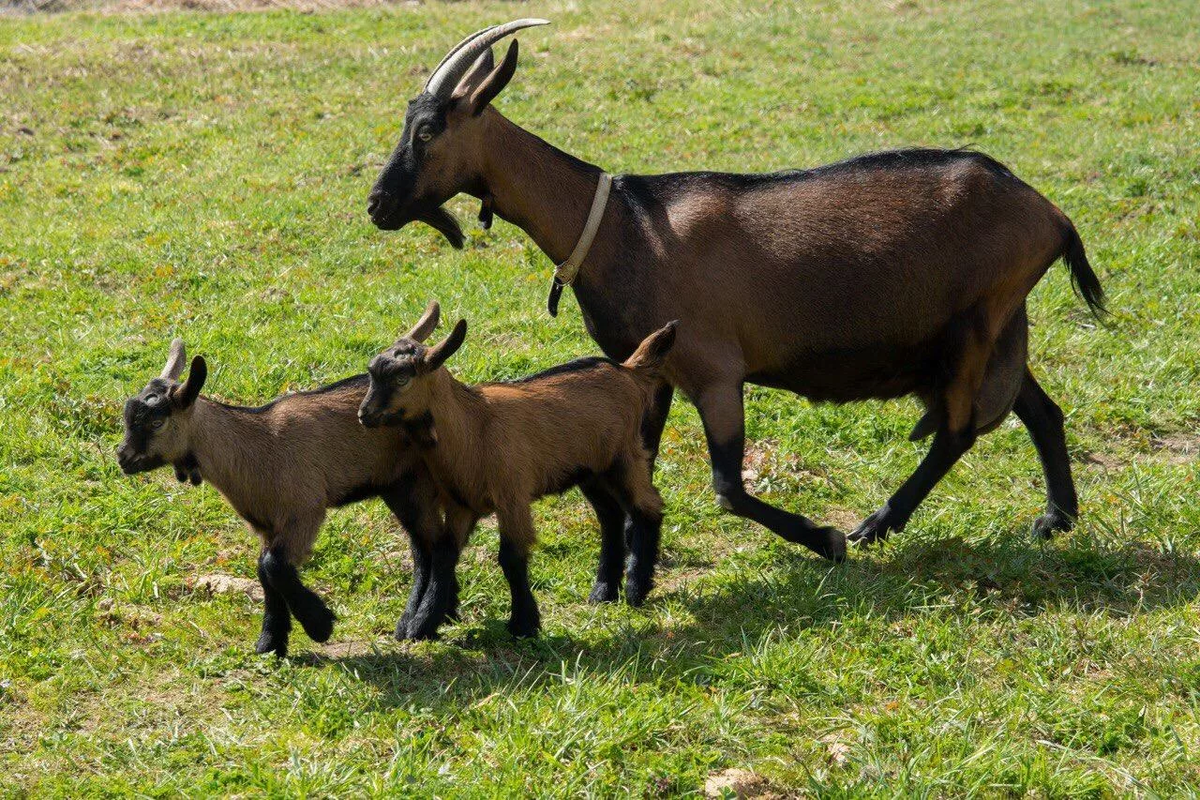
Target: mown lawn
205,175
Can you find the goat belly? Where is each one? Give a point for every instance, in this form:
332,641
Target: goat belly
561,482
880,373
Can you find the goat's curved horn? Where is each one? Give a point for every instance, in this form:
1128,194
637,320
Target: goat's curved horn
450,71
425,325
174,361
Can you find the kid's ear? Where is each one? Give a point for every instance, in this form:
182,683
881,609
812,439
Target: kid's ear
186,394
437,355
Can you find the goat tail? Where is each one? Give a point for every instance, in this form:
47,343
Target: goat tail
1083,277
652,352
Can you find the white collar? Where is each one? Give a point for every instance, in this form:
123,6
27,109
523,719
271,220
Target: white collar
565,272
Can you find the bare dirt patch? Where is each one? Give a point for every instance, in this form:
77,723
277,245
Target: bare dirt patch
1177,448
228,584
740,783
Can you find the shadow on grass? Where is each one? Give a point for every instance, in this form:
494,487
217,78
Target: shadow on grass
1005,577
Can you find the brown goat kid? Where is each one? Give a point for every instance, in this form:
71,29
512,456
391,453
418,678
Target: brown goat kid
281,466
497,447
892,274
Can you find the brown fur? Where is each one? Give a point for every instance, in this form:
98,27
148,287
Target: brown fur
895,274
283,465
497,447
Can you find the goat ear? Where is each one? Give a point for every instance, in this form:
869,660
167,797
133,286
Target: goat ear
483,65
437,355
186,394
495,82
425,325
174,361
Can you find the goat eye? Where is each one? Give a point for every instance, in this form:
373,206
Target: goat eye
157,423
425,134
400,381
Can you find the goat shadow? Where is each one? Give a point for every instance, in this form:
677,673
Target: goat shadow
1007,574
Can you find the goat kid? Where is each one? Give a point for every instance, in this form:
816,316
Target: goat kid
281,466
497,447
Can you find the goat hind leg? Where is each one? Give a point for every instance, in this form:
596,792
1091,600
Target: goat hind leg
956,432
613,528
721,412
516,538
653,424
1044,420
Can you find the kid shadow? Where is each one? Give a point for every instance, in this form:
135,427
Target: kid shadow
1008,575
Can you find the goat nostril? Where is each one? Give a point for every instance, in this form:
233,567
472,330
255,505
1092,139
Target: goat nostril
375,202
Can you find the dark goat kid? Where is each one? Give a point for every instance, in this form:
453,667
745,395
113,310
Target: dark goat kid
896,273
281,466
497,447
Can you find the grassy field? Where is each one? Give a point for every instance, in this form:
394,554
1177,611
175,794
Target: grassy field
205,175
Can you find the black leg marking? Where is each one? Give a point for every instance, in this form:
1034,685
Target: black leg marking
639,580
525,620
652,430
309,609
441,593
946,449
612,541
277,621
1044,420
732,495
422,565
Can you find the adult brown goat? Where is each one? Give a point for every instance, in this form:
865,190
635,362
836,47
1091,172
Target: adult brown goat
281,466
896,273
497,447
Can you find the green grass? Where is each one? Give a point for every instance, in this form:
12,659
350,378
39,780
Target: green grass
206,176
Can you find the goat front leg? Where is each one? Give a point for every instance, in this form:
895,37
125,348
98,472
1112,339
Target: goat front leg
439,599
629,480
516,539
277,568
721,412
277,621
413,501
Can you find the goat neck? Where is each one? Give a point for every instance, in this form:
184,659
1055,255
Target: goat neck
460,418
226,444
536,186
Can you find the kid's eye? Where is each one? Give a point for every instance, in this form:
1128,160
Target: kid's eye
401,381
157,423
424,134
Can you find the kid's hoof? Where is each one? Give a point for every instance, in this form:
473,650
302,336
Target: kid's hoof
318,622
876,527
1047,524
268,641
603,592
525,628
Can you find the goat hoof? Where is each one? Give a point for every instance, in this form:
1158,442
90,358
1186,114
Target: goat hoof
876,527
269,641
317,621
831,544
525,627
1047,524
636,591
603,592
